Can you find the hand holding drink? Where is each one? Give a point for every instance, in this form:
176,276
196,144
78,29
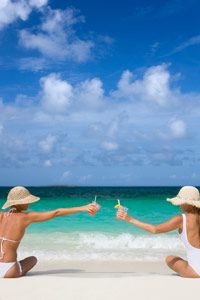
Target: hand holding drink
122,211
96,207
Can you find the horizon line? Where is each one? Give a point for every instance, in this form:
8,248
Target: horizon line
90,186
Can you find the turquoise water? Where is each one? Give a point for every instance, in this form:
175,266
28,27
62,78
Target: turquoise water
147,204
82,236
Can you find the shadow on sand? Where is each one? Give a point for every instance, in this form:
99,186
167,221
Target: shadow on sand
84,273
56,272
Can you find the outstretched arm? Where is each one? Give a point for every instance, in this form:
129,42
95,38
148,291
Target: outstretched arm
32,217
172,224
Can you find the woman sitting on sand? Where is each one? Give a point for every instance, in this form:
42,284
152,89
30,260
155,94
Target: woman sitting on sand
188,226
14,223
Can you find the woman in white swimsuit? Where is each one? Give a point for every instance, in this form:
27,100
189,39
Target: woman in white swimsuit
188,226
14,223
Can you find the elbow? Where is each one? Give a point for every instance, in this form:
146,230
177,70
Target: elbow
56,213
154,230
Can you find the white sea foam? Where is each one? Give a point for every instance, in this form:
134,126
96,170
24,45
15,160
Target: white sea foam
100,246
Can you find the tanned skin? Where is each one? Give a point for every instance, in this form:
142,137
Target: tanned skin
13,226
175,263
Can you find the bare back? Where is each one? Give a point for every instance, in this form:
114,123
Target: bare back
12,227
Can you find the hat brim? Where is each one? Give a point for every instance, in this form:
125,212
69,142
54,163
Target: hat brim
28,200
179,201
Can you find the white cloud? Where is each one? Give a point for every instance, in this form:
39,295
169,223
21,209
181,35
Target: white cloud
154,86
178,128
38,3
109,145
50,47
65,175
34,64
47,163
56,37
56,94
113,128
10,11
195,40
119,133
90,93
55,20
47,144
23,100
110,135
85,178
154,47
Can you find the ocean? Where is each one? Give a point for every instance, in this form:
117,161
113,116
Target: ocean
100,237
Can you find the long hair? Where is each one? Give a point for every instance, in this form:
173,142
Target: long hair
196,210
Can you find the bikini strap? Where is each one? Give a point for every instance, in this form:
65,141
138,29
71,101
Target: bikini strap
1,249
11,211
184,231
184,220
20,267
9,240
2,252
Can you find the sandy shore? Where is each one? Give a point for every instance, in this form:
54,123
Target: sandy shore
99,281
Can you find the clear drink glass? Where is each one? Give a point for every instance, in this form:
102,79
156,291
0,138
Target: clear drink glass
97,206
120,207
125,209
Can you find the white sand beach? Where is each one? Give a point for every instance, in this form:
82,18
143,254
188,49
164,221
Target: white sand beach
98,281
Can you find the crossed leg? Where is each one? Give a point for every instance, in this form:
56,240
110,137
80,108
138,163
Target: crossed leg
181,267
26,265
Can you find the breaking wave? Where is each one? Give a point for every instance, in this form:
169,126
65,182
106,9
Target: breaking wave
100,246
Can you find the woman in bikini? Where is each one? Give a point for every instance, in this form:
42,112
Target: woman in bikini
13,225
188,226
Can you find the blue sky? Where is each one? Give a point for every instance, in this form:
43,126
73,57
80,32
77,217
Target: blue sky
99,93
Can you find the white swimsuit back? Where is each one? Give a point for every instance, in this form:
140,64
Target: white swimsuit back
193,254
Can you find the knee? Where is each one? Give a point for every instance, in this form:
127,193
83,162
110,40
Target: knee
169,260
33,260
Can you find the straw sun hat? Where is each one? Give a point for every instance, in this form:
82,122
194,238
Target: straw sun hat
187,195
19,195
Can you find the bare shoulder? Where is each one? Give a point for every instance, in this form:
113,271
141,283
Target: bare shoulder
31,216
177,219
30,213
23,215
189,215
2,213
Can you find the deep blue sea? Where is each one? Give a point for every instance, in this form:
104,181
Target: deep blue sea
100,237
